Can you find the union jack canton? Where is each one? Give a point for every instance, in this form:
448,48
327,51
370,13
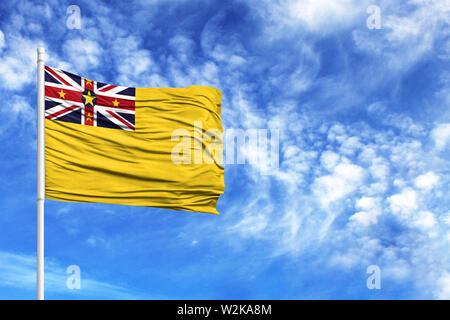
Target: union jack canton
71,98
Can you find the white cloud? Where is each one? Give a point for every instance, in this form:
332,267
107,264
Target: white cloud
20,107
426,181
364,218
291,151
408,34
85,54
95,241
370,209
346,178
396,120
183,48
19,271
441,136
18,113
404,203
329,160
379,168
2,40
397,269
367,154
18,62
313,15
446,218
367,203
251,225
350,146
337,133
443,284
135,62
325,15
424,220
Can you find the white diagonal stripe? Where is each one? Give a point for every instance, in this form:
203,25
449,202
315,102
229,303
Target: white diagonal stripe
113,119
66,102
115,95
114,109
67,78
61,86
58,108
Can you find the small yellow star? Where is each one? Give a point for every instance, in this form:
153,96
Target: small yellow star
62,94
89,117
89,98
115,103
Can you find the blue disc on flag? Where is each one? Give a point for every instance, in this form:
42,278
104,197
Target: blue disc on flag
89,98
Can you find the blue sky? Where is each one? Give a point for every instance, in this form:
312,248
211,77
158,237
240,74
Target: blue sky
364,124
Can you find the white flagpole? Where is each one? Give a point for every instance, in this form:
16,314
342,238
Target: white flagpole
40,174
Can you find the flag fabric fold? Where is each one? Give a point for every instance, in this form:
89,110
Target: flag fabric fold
114,144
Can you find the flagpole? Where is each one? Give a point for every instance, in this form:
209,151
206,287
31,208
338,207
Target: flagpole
40,174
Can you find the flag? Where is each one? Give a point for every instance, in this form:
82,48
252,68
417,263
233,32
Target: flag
156,147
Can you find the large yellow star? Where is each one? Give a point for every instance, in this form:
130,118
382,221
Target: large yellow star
89,98
115,103
62,94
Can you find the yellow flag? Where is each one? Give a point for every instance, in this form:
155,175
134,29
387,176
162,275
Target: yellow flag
157,147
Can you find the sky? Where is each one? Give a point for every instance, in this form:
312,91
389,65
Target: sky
364,135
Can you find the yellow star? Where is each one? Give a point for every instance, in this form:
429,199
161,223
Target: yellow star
89,98
88,81
115,103
62,94
89,117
